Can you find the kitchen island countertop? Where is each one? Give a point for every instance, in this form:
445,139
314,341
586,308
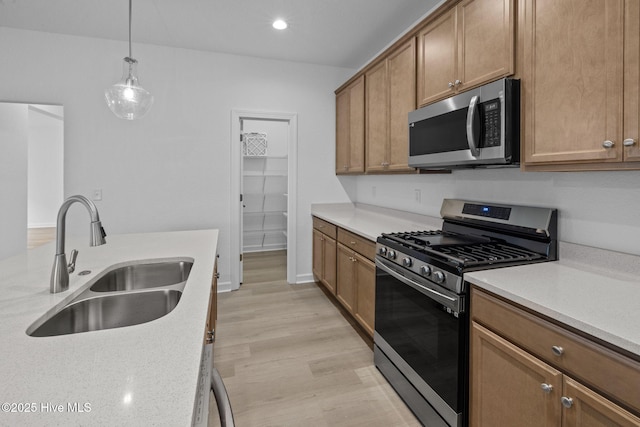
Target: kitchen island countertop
143,374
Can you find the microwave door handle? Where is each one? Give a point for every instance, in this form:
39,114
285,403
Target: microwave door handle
472,138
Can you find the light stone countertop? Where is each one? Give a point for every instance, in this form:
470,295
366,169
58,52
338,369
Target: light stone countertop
598,301
590,289
144,374
370,221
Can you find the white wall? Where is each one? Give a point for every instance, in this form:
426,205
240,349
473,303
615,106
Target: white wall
600,209
170,170
14,139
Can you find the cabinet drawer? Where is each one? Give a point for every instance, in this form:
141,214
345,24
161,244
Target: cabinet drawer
605,370
359,244
325,227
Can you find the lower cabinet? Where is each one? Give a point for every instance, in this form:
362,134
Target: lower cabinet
356,286
344,265
511,386
324,253
212,313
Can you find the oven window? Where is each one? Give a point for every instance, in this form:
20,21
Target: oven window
428,338
447,132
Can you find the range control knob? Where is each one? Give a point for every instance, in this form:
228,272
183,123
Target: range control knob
382,250
407,262
425,270
439,277
391,254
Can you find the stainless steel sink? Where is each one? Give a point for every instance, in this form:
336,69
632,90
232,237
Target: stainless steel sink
143,276
107,312
124,295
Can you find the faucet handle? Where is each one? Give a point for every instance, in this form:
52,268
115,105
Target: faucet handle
72,264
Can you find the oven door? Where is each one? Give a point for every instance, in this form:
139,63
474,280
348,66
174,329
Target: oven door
422,329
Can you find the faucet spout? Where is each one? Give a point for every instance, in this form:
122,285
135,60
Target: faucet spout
60,271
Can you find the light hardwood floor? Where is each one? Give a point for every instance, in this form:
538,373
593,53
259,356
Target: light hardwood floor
289,358
39,236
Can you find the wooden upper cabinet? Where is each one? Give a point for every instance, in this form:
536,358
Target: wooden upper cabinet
390,96
631,134
350,128
437,59
402,100
486,41
469,45
377,115
573,80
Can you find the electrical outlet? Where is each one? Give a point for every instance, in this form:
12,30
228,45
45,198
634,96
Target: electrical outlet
96,195
417,195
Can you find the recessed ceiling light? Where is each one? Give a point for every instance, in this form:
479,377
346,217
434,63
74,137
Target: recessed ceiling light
279,24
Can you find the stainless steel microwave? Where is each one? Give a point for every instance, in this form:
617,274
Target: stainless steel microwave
477,128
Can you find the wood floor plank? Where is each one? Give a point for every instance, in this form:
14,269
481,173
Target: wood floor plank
288,357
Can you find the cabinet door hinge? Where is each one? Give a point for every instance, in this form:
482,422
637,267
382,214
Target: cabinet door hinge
240,257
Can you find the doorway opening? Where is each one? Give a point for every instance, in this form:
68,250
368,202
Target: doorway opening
264,178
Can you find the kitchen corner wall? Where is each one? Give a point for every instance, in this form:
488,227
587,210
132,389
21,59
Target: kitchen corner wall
600,209
170,170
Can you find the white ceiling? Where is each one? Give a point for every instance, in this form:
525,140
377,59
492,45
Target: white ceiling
343,33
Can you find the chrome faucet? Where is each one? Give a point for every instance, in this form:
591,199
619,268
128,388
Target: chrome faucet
60,271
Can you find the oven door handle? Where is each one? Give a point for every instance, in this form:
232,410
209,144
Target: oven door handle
451,302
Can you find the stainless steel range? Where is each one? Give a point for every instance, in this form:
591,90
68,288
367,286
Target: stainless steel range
422,329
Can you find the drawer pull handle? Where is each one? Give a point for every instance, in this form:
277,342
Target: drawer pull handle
547,388
628,142
557,350
567,402
608,144
352,242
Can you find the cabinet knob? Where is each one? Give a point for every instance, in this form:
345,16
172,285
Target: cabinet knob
547,388
608,144
557,350
457,82
352,242
628,142
450,85
567,402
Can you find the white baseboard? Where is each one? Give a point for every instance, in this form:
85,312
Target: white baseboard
304,278
224,287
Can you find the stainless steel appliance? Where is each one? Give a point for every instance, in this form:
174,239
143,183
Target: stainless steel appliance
421,339
477,128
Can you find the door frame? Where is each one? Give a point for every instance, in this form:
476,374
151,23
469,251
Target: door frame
237,115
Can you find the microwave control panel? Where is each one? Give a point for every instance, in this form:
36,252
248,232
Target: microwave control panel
491,122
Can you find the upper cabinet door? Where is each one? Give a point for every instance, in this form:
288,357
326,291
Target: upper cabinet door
377,117
342,132
402,100
572,80
356,131
631,135
350,128
437,44
486,41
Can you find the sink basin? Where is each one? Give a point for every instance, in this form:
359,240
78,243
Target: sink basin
108,312
143,276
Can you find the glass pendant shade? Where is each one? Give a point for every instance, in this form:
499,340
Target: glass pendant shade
127,99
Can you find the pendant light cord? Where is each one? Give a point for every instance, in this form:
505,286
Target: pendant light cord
130,55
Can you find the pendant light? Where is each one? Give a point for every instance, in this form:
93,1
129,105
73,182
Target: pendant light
127,99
